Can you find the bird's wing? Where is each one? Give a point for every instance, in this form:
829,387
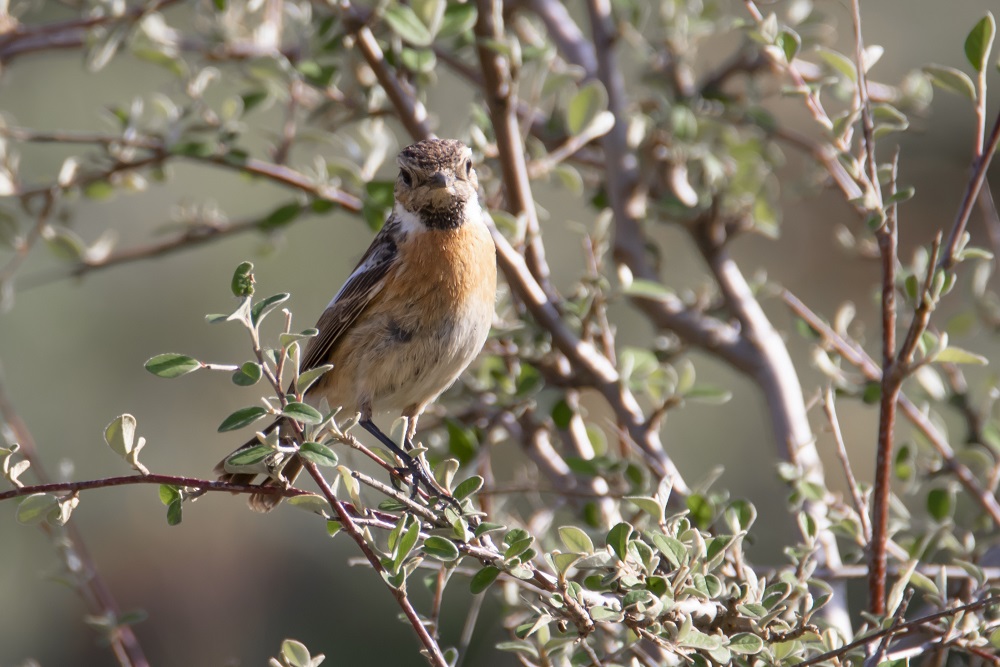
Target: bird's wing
361,287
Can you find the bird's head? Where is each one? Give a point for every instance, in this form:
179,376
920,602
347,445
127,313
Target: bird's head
436,181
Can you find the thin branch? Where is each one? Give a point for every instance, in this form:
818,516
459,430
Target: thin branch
858,358
433,651
91,585
25,39
128,480
830,409
195,236
888,242
980,166
903,627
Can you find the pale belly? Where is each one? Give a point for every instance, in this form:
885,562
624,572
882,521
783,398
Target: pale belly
403,366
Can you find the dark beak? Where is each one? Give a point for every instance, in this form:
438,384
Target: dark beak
441,179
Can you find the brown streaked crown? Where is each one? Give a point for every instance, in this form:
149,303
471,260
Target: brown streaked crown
436,180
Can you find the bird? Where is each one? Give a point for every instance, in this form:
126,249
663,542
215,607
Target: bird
411,317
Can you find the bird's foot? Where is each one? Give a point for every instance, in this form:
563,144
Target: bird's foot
418,476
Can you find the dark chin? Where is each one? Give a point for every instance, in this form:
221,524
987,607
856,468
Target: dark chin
448,214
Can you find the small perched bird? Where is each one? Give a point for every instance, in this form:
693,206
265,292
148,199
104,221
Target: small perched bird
414,313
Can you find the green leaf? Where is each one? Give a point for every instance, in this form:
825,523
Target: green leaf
36,507
940,503
647,289
462,441
650,506
174,512
746,643
405,23
406,544
839,62
281,216
482,579
98,190
468,487
458,18
295,653
980,41
242,283
262,307
242,417
701,509
440,548
562,414
248,374
671,547
286,339
587,103
318,453
902,195
575,540
172,365
952,80
307,378
605,615
618,539
120,435
301,412
250,456
789,43
168,493
956,355
487,527
518,547
563,562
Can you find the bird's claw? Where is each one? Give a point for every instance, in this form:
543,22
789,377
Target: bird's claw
417,475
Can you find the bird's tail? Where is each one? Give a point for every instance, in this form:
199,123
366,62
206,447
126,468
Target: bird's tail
259,502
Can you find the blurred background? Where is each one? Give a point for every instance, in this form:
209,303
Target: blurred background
226,586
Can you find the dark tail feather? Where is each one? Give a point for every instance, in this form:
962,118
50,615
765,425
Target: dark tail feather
259,502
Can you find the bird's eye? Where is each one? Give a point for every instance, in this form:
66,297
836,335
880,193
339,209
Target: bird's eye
406,178
468,168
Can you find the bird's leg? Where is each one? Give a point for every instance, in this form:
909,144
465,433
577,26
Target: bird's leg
412,465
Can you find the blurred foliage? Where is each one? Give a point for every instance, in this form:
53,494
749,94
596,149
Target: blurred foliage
601,552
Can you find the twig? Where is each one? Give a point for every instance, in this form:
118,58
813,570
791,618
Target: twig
902,627
67,34
891,381
897,617
195,236
858,358
979,168
431,647
830,409
91,585
128,480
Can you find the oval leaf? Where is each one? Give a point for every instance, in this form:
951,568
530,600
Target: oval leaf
242,417
482,579
301,412
120,434
440,548
586,104
980,41
318,453
575,540
248,374
952,80
405,23
172,365
36,507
